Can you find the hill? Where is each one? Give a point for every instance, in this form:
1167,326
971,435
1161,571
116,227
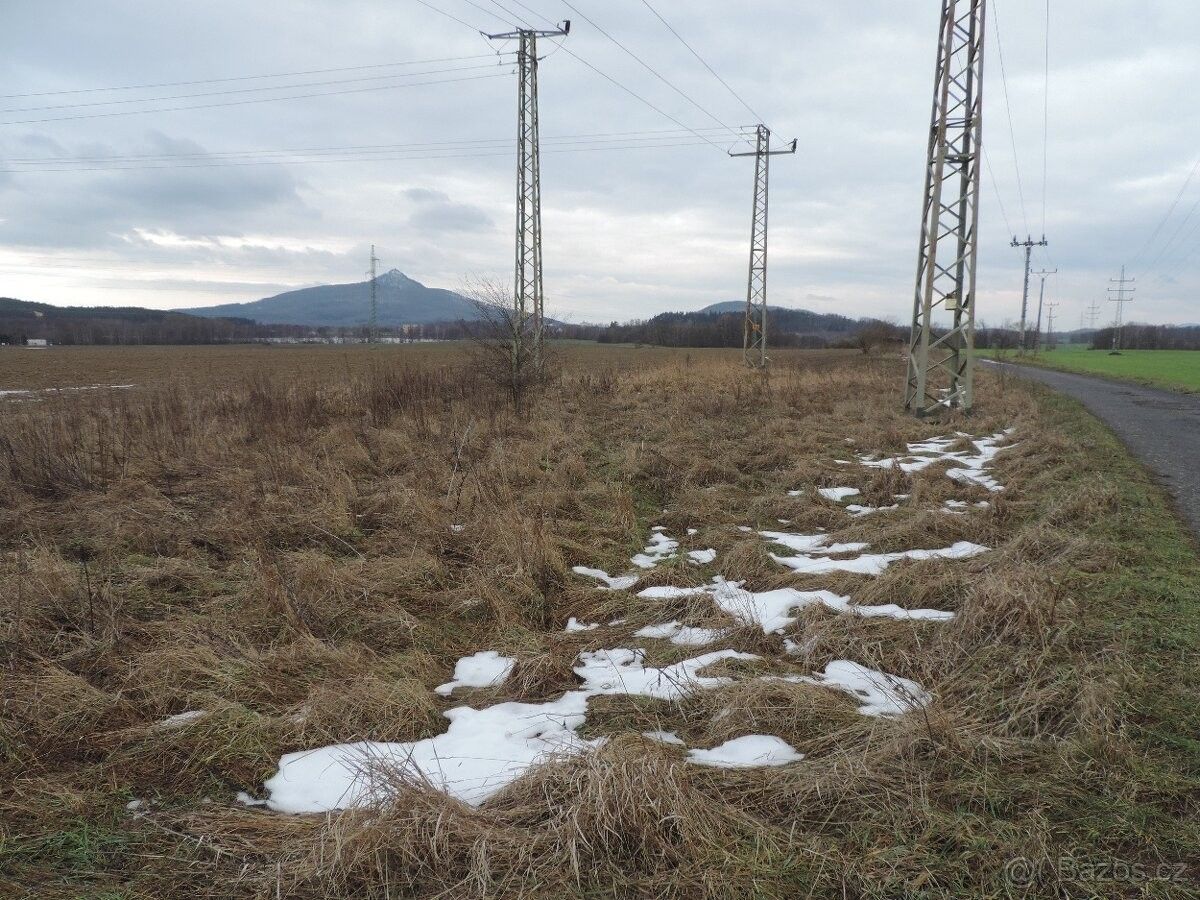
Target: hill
402,301
23,319
721,325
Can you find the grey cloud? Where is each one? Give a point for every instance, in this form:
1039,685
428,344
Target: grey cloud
844,210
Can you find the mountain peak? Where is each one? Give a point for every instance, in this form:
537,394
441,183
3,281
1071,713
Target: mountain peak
393,276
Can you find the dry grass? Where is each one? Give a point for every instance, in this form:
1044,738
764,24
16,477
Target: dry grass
279,552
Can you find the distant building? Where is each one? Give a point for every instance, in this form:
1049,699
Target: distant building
36,342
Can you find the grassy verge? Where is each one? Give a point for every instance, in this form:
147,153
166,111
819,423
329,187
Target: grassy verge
305,560
1176,370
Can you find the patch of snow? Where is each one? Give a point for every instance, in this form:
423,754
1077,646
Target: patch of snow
246,800
660,548
858,511
775,610
795,493
134,805
969,468
622,671
747,752
838,494
666,592
873,563
574,624
878,693
702,557
457,529
610,582
682,635
483,750
486,668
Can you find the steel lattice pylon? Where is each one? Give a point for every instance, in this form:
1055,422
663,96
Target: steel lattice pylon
754,344
941,357
527,290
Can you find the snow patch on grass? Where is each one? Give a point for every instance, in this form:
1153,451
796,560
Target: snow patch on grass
486,668
838,494
747,752
610,582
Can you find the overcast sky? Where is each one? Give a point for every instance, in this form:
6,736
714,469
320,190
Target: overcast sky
628,232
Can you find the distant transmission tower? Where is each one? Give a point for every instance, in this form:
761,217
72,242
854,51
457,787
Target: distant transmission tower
1120,299
941,357
1029,243
754,342
373,321
1043,274
1050,307
527,295
1093,315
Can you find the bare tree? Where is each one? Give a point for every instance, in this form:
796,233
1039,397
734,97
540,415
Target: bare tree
502,339
877,333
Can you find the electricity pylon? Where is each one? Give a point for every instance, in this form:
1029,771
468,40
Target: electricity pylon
373,321
1029,243
527,293
940,362
754,340
1043,274
1050,307
1093,314
1120,299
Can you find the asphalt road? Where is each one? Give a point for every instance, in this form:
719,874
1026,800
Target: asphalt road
1161,428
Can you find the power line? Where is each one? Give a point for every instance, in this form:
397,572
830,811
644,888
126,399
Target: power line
449,16
628,90
645,65
1012,133
233,78
996,189
274,87
1046,120
601,137
1170,212
692,50
134,112
354,159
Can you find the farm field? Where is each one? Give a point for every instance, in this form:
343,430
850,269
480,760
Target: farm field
1177,370
763,637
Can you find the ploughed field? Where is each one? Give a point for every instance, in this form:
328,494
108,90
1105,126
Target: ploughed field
325,622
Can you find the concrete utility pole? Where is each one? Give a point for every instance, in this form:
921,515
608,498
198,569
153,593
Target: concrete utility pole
1120,299
1029,243
527,295
373,321
754,342
1043,274
1050,326
941,358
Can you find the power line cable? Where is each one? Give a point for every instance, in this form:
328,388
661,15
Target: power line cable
1046,118
465,153
556,140
646,66
238,91
1012,133
1170,211
134,112
631,92
996,188
233,78
736,95
450,16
